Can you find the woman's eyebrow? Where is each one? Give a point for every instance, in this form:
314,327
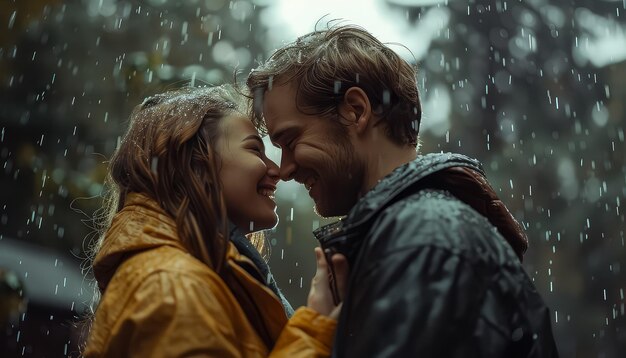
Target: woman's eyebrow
254,137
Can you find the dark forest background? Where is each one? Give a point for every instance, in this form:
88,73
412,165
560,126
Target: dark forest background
536,90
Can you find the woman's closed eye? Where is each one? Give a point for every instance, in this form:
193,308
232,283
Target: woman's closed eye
257,149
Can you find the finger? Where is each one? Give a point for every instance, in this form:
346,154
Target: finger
334,314
321,260
342,270
321,272
319,256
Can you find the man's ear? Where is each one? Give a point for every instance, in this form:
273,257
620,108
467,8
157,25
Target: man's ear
356,108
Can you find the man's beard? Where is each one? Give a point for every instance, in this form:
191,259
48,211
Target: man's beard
340,182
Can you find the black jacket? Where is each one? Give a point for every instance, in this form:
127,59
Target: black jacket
436,269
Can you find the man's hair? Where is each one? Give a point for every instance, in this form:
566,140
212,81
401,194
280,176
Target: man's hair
324,64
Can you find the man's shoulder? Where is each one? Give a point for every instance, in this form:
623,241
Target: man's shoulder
432,207
435,218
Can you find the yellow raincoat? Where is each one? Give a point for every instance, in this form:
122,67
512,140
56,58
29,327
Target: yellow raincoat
159,301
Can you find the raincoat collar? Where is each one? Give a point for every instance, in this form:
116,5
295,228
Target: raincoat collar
143,225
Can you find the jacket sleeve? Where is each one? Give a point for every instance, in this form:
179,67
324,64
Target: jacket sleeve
176,315
416,299
307,334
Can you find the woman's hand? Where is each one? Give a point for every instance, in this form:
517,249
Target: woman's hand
320,296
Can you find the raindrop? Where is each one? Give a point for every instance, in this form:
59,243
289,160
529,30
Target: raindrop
337,87
386,97
12,19
183,31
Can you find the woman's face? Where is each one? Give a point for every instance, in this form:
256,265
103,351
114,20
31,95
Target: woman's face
248,177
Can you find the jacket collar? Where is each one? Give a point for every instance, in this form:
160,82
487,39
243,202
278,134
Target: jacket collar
403,178
392,185
456,173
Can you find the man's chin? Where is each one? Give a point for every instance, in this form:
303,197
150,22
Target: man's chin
326,212
319,212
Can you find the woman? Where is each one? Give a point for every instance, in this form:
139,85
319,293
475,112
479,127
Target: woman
177,275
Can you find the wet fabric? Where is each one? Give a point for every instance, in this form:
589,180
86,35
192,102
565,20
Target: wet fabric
160,301
436,269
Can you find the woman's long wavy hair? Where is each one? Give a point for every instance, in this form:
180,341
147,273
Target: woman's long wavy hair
169,154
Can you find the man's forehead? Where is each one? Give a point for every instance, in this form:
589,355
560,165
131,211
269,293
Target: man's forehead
273,125
274,108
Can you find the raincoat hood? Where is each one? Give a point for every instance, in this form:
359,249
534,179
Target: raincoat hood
147,227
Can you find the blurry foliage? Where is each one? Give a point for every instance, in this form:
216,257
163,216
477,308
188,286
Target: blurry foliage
524,86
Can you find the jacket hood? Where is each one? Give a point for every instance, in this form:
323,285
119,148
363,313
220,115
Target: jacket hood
462,176
140,225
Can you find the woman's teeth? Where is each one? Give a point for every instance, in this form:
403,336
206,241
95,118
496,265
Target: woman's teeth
266,192
309,184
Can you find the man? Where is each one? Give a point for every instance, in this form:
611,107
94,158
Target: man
435,257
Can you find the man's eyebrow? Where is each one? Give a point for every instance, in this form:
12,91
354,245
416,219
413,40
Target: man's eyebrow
279,134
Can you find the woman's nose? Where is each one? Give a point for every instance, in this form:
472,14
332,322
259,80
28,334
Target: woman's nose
273,171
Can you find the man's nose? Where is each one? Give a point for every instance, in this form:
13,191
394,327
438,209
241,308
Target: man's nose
288,166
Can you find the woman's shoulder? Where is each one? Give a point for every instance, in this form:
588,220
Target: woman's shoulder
165,276
169,262
165,288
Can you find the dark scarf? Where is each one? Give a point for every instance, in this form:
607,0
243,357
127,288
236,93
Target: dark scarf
246,249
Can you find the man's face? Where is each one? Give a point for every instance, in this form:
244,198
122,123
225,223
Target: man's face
316,152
